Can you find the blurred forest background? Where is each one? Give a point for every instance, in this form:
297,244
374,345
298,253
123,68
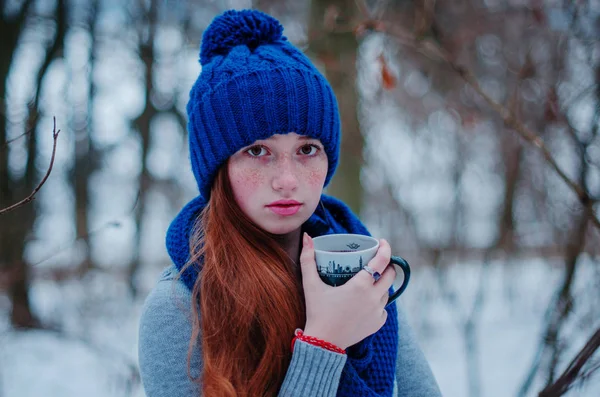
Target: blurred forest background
470,141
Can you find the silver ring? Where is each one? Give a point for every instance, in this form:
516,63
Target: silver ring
376,275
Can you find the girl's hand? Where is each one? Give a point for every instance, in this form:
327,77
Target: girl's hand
347,314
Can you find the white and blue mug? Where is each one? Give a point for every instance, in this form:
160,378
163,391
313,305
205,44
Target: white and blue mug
340,256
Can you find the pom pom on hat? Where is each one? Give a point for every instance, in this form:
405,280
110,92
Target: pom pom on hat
250,27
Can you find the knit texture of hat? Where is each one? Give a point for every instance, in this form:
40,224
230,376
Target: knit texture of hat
254,83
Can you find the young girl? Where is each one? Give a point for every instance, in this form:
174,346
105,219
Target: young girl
243,312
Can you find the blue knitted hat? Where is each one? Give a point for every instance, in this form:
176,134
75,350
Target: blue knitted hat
254,83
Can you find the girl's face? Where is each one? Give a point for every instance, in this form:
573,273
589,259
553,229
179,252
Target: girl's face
278,181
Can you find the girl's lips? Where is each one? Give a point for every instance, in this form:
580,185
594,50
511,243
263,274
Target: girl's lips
285,210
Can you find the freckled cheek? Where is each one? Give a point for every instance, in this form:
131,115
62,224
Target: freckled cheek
246,182
316,176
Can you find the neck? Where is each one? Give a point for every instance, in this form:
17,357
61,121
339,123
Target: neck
290,242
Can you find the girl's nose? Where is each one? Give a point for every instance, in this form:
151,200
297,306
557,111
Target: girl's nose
285,179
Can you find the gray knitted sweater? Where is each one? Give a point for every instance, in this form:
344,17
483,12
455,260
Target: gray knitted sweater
165,331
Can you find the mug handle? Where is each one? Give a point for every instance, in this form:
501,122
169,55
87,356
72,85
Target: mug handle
402,264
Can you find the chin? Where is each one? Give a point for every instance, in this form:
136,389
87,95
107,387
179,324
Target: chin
282,226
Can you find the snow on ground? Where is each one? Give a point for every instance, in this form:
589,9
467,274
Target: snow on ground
95,355
510,329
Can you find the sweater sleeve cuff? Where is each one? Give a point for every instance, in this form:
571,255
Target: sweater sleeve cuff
313,371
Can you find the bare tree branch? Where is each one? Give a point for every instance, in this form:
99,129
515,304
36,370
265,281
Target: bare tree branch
39,186
530,136
432,50
83,268
576,97
110,224
566,380
29,131
509,113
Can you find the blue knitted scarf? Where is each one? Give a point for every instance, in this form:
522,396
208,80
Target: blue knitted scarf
371,365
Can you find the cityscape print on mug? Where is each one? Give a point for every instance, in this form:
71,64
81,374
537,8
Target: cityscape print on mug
337,273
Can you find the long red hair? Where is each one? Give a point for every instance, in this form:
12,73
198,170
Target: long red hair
248,300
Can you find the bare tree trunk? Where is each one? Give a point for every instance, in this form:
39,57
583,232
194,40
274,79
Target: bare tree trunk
21,222
337,52
513,151
12,227
17,224
86,157
142,123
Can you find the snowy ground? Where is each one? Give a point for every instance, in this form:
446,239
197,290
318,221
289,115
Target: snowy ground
95,353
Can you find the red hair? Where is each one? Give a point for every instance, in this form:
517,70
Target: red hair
249,296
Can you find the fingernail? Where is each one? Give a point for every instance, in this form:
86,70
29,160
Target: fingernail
304,238
309,241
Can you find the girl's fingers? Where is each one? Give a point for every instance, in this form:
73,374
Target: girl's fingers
384,299
384,316
382,258
387,279
378,263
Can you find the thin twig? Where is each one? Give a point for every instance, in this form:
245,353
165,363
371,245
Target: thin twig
576,97
5,145
107,225
39,186
17,138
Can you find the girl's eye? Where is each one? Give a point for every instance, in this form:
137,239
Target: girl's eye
257,151
309,150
